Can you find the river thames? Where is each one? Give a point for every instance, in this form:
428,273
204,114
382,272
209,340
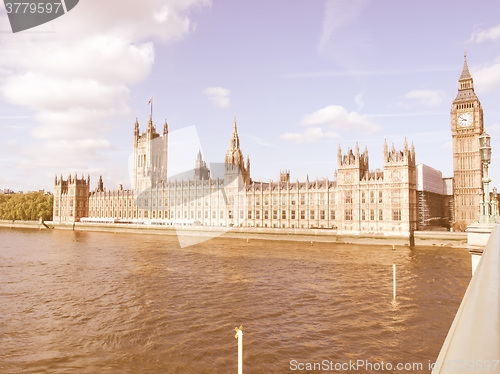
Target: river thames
89,302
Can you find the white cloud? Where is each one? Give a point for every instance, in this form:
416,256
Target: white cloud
338,118
59,118
74,73
258,140
310,135
44,92
368,73
219,96
447,146
491,34
338,14
48,154
106,57
71,124
487,79
359,100
162,15
427,97
334,117
11,143
343,39
493,129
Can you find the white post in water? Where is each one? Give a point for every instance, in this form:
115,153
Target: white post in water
239,335
394,281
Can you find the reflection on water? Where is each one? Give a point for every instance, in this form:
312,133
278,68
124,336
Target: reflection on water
83,302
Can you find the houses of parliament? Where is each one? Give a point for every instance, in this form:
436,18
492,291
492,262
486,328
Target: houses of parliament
400,198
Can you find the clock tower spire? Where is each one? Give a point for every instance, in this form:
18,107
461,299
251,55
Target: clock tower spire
466,126
465,84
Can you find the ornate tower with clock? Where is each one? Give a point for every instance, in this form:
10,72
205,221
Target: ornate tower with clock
466,126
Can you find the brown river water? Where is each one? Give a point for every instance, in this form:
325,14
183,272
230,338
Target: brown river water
89,302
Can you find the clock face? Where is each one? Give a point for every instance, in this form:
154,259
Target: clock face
464,119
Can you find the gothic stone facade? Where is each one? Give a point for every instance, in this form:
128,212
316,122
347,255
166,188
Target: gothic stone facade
150,157
71,199
359,200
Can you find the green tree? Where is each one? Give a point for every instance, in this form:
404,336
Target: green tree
30,206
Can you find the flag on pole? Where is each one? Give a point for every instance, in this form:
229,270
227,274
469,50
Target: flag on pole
150,100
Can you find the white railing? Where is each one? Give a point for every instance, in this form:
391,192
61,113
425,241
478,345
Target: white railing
473,342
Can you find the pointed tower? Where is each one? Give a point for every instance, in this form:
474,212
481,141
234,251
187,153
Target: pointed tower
151,128
234,161
165,128
199,160
201,172
100,185
136,130
365,158
466,127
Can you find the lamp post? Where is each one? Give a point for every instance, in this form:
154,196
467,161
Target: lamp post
488,209
478,235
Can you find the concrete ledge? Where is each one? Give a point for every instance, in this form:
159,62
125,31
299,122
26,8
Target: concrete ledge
473,340
22,224
478,234
423,238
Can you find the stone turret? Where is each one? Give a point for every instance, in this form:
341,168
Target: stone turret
149,157
71,199
406,156
355,164
285,176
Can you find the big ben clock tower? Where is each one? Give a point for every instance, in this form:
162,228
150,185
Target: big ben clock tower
466,126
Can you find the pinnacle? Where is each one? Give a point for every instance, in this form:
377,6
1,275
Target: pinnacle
465,71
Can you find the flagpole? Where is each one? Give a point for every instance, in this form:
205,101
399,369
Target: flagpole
151,102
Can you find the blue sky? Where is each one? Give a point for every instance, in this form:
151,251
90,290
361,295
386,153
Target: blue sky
301,77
